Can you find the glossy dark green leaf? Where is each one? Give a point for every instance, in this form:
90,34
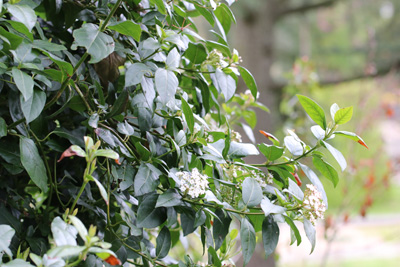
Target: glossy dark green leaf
163,242
315,112
3,127
34,105
270,235
33,163
196,53
220,227
148,215
248,240
187,111
98,44
128,28
24,83
146,180
326,169
251,192
271,152
169,198
120,104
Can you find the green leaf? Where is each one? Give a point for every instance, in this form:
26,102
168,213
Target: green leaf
3,127
293,145
224,83
327,170
163,242
7,234
48,46
220,47
102,190
135,73
315,112
187,111
24,83
294,229
251,192
64,251
125,128
214,256
221,227
173,59
206,14
34,105
196,53
352,136
17,263
119,105
99,45
33,163
270,235
148,215
337,155
269,208
249,80
166,85
128,28
63,233
239,150
80,227
24,14
271,152
169,199
309,228
343,115
107,153
146,180
248,240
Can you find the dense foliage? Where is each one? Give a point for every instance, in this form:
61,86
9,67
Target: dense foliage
116,138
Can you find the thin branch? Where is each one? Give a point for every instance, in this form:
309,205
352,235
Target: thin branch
306,8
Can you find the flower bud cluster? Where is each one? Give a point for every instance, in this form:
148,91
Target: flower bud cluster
215,59
193,183
313,206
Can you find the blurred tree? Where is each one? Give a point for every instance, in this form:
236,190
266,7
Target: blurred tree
345,45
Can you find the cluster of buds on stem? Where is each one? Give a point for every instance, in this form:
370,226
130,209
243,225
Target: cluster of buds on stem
313,205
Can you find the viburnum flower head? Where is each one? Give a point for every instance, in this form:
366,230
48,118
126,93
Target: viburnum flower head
193,183
314,207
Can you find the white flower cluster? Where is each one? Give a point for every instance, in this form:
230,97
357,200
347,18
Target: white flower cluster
314,207
236,136
193,183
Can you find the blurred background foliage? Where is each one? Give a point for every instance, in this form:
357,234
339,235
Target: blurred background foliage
343,51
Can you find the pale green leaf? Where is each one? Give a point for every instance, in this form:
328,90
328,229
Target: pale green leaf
315,112
337,155
3,127
187,111
343,115
24,14
249,80
99,45
34,105
128,28
7,234
166,85
352,136
251,192
309,228
24,83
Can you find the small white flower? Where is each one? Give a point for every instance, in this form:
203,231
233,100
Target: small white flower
194,184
